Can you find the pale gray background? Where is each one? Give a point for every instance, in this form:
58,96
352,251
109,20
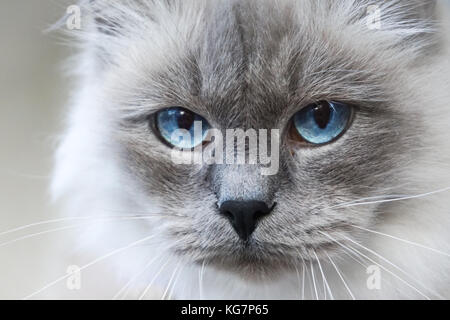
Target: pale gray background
33,92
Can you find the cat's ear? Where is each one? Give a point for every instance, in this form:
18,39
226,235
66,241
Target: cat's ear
411,23
106,25
401,12
423,10
104,17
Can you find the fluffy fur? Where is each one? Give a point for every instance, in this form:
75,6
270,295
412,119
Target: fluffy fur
253,64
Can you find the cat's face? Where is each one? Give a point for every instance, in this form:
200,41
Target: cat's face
256,64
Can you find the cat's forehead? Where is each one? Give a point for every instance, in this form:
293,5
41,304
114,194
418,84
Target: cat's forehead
245,58
239,61
245,62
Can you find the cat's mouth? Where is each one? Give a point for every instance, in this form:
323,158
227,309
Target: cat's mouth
261,258
256,261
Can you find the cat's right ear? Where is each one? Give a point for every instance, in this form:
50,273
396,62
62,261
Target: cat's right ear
93,16
412,23
104,24
103,17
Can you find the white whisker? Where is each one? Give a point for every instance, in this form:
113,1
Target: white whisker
94,218
393,200
174,284
117,251
39,234
147,289
202,270
341,277
298,276
390,263
350,252
303,274
323,277
33,235
170,281
303,280
382,267
134,278
364,200
355,256
314,280
40,223
404,240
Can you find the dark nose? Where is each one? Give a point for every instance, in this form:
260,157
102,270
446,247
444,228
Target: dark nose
244,215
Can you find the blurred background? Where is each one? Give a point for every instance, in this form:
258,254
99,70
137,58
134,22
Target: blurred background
33,92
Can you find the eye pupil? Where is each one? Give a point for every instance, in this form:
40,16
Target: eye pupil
322,115
185,120
321,122
177,127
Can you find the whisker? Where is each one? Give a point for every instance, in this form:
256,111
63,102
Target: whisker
35,224
323,277
314,280
390,263
110,254
134,278
147,289
341,277
38,224
143,213
355,256
394,199
381,266
298,275
202,270
170,281
310,282
33,235
303,280
303,274
174,284
363,200
350,252
404,240
25,175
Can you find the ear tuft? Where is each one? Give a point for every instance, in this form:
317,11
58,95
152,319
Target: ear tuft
413,23
425,9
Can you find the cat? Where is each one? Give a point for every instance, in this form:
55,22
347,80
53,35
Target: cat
361,212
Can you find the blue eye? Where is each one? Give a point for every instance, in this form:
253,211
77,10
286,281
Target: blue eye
322,122
176,126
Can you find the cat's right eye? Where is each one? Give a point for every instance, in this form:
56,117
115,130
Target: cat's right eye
321,122
176,127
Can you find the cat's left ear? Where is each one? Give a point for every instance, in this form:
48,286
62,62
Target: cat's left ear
413,22
402,13
420,9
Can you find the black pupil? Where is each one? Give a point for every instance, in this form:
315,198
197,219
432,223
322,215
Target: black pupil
185,120
322,114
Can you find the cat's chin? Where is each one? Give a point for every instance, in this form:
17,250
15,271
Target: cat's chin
258,265
249,269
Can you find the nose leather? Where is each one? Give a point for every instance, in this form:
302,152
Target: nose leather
244,215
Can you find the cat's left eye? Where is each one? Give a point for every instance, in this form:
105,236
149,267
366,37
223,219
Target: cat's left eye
321,122
176,126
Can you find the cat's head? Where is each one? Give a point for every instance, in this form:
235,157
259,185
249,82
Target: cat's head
335,81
